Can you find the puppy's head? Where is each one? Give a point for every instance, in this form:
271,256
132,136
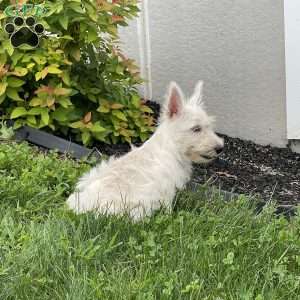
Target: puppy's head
189,126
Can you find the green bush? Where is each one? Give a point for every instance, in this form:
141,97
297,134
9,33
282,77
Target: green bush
77,82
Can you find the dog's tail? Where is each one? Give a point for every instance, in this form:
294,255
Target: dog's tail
82,199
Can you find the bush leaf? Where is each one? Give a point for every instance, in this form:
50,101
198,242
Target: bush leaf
35,111
54,70
15,82
117,106
36,101
19,71
60,115
97,128
3,86
13,94
120,115
2,98
45,116
64,21
18,112
86,136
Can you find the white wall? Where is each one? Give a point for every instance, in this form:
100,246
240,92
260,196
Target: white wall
236,47
292,55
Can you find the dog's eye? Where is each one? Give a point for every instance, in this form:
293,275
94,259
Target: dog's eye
197,129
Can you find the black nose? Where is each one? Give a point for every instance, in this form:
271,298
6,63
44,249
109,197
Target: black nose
219,149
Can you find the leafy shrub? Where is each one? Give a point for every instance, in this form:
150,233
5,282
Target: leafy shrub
77,82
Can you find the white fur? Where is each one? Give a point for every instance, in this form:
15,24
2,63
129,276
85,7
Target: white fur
147,178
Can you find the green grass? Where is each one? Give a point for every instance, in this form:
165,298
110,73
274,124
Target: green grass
206,249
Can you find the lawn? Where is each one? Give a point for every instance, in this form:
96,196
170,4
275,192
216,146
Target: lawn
206,249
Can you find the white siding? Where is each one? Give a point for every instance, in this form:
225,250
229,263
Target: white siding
292,43
237,48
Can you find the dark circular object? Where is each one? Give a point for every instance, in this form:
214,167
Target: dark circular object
39,28
19,21
30,21
9,28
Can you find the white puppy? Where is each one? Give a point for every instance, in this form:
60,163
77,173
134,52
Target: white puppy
147,178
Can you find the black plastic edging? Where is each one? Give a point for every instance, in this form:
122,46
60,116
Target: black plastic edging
51,141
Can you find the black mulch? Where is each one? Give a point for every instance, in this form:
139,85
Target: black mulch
247,168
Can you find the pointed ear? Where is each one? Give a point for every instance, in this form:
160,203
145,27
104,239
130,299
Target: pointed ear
196,98
174,103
